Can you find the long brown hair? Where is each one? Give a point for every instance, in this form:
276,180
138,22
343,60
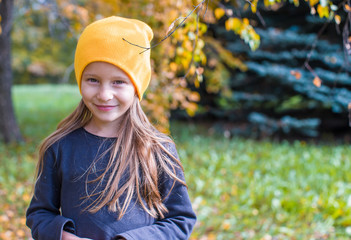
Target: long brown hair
140,150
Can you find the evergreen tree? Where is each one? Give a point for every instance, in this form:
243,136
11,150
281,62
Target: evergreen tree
296,81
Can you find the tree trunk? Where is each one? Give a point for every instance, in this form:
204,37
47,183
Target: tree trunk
9,130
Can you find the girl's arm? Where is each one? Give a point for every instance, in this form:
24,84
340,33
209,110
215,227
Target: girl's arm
180,219
43,214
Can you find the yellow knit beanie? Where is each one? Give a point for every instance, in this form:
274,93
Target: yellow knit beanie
102,41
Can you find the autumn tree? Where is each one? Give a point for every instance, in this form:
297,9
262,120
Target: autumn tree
9,130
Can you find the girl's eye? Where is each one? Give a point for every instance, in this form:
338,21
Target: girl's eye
118,82
92,80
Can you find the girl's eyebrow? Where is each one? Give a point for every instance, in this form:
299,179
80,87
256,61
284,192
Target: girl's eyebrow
112,77
89,74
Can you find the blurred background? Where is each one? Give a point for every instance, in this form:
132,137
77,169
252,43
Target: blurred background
254,93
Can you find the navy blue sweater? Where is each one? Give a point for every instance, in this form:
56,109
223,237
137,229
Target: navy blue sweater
57,202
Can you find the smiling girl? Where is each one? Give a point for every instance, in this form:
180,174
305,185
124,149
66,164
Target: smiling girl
106,172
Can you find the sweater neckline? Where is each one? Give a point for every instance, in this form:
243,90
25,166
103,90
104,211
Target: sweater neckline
97,136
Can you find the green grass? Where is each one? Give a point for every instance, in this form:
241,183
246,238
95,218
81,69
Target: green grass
40,107
240,188
259,189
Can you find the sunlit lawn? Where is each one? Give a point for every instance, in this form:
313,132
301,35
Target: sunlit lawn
241,189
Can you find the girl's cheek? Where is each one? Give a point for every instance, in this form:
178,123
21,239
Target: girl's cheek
128,92
126,97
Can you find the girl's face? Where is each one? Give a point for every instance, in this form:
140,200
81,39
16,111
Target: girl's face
108,93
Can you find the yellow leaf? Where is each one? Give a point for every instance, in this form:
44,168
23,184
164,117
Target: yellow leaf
219,12
268,3
229,24
313,2
254,7
323,11
234,24
173,66
197,83
317,81
191,109
337,19
338,212
255,36
347,8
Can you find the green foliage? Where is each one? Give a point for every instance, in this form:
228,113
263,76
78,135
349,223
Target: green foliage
240,188
42,51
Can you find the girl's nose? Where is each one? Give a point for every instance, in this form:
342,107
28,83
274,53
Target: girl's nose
105,94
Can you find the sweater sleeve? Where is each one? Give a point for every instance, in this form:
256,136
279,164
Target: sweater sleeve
180,219
43,214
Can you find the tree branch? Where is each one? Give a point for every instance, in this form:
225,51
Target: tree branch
258,14
345,34
169,34
194,43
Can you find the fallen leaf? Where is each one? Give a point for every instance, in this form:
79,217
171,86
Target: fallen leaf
226,226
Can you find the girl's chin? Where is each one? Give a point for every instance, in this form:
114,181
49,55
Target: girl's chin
101,121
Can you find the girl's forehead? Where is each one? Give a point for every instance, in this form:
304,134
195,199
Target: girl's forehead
104,68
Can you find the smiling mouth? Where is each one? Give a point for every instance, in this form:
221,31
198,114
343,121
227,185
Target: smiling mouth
106,108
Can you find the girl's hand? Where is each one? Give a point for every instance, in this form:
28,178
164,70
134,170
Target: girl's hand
70,236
